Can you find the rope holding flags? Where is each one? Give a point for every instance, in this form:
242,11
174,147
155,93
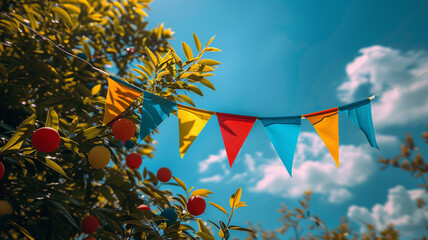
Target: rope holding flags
282,131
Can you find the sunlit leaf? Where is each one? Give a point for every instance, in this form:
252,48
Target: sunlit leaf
187,51
181,183
201,192
53,165
219,207
186,99
24,130
209,62
197,42
52,119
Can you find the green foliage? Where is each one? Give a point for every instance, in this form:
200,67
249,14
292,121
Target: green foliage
51,193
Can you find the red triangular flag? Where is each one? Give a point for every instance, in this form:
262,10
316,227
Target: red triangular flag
234,129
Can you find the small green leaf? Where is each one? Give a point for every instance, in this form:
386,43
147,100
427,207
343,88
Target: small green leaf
22,229
187,51
212,49
181,183
209,42
53,165
209,62
24,130
195,89
207,83
238,196
240,229
52,119
96,89
197,42
140,72
64,15
219,207
152,57
186,99
204,236
201,192
146,70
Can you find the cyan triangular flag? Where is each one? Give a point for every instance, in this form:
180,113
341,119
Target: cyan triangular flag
283,133
155,110
360,114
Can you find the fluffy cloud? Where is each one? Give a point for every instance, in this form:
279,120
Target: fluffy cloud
314,169
212,159
400,209
379,68
215,178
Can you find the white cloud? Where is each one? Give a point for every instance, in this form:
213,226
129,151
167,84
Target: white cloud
315,169
215,178
378,68
212,159
387,140
400,209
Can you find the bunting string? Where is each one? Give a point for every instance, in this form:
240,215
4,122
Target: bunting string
282,131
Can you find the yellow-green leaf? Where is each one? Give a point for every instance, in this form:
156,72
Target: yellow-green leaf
53,165
220,233
140,72
187,51
197,42
241,204
212,49
186,99
201,192
209,62
238,195
209,42
203,228
195,89
24,130
95,89
152,57
207,83
146,70
204,236
177,59
64,15
181,183
219,207
22,229
52,119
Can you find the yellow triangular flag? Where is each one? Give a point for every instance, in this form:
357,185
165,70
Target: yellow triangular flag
190,123
120,95
326,123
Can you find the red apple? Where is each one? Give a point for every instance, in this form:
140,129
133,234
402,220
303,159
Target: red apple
90,224
196,205
45,139
164,174
134,160
123,129
144,207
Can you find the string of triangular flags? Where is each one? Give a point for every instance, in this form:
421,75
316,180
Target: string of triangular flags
282,131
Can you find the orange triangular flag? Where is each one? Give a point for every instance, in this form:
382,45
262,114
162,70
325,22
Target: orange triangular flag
120,95
326,123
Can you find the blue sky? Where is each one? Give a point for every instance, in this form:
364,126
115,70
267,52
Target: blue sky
282,58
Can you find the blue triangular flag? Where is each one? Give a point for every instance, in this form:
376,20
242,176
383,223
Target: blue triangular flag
360,114
283,133
155,110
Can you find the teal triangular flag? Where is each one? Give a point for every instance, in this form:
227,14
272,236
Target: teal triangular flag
155,110
283,133
360,114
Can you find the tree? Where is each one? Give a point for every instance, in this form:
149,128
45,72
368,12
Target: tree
51,193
